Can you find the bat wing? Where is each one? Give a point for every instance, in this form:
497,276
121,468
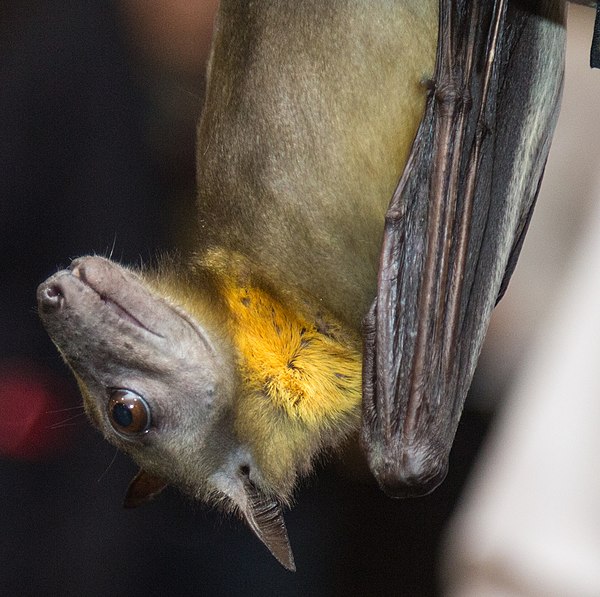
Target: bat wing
454,228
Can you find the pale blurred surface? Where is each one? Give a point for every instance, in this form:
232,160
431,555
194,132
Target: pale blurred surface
529,522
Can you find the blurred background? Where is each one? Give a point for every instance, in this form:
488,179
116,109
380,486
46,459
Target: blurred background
98,106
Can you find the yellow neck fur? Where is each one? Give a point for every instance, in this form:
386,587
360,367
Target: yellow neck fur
301,377
303,371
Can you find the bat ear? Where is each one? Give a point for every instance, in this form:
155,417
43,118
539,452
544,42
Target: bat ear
263,515
143,488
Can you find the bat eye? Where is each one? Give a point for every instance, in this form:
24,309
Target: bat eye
129,413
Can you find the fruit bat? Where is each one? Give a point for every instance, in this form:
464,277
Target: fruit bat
314,310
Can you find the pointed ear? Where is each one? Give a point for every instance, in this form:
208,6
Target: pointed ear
263,515
143,488
261,512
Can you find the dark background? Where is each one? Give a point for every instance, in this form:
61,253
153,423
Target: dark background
96,155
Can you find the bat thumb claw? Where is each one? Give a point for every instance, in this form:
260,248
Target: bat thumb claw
410,475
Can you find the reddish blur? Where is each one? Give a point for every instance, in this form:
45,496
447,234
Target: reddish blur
37,412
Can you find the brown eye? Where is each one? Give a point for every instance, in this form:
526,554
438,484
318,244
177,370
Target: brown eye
128,413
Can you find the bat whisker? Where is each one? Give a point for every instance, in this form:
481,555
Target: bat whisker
62,410
66,422
112,249
61,425
109,466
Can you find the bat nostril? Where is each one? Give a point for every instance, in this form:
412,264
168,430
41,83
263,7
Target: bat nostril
50,297
81,267
90,270
77,270
53,291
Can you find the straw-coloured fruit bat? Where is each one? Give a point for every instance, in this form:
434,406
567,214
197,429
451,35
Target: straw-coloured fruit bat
226,373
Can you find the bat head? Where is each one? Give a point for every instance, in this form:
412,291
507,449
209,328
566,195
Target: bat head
161,387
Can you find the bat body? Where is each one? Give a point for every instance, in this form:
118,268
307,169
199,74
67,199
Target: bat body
226,374
309,149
